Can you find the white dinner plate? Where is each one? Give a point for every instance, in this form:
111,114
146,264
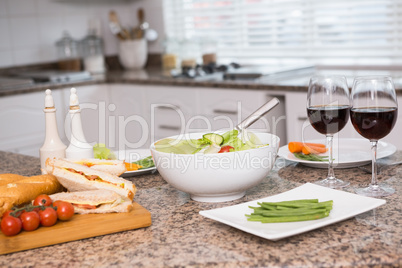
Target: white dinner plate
347,153
134,155
345,205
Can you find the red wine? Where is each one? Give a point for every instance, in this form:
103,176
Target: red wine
374,123
328,119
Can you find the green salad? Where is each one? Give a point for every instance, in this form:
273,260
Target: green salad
101,152
211,143
146,162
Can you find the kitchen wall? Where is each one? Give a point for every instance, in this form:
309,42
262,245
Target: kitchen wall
30,28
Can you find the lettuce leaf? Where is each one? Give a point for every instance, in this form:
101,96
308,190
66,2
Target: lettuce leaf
101,152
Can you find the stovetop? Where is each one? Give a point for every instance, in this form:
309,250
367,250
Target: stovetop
204,72
235,71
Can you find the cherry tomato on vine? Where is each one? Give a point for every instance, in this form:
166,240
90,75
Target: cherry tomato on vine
65,210
11,225
30,220
48,217
42,200
7,213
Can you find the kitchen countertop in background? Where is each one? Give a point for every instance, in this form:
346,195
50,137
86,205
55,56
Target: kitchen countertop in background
155,76
180,237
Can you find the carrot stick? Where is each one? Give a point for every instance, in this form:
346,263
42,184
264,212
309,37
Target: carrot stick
315,145
132,166
296,146
309,149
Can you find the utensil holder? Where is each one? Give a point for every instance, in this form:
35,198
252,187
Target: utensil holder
133,54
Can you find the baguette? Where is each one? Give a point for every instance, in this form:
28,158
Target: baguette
20,190
8,178
95,201
75,177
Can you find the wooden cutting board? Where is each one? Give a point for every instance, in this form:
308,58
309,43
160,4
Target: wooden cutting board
79,227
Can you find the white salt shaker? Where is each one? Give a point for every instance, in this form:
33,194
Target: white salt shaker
79,147
52,146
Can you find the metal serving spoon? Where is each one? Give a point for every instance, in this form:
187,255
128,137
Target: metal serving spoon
243,125
257,114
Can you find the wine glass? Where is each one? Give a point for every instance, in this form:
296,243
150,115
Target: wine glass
373,114
328,106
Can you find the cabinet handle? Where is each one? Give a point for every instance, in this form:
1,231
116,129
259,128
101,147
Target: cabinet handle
168,108
169,127
302,118
219,111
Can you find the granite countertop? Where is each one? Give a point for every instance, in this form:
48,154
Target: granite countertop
156,76
180,237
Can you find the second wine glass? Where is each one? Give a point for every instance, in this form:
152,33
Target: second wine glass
328,107
373,115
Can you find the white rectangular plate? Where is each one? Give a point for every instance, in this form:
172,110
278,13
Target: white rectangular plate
346,205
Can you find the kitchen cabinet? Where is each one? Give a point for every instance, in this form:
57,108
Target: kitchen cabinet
132,116
23,121
128,120
126,116
168,111
171,110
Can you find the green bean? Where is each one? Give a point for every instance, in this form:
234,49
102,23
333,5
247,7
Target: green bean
299,205
289,218
296,201
291,212
283,208
311,157
267,206
288,211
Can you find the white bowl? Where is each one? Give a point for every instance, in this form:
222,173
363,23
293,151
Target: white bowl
217,177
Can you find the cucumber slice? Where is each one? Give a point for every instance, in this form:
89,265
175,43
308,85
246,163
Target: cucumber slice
213,138
228,135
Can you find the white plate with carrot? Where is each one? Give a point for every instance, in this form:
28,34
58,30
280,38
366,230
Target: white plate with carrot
138,162
347,153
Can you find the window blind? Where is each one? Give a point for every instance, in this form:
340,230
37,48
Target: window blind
292,31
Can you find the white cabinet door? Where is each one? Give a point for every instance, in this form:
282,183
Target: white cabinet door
395,137
128,121
298,126
95,110
23,121
171,110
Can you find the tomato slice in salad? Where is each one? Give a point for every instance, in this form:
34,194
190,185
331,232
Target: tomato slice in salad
226,149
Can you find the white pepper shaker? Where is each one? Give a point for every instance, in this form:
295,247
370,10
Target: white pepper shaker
79,147
52,146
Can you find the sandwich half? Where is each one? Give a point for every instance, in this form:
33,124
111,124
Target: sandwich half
115,167
75,177
95,201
